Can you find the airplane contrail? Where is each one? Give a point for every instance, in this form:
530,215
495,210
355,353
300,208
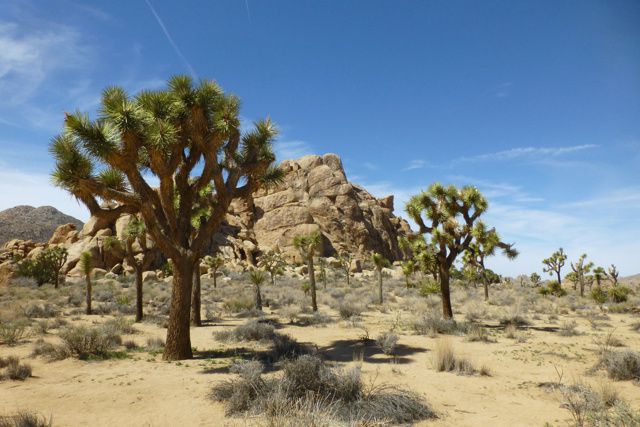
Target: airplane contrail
173,44
246,3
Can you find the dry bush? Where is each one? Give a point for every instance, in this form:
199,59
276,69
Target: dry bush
350,308
334,397
387,341
120,325
315,319
432,323
239,303
13,369
290,312
25,419
568,329
155,344
478,333
623,365
253,330
445,360
13,331
89,342
40,311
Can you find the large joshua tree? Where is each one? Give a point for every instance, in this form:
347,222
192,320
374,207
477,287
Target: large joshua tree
186,137
308,246
581,268
450,215
485,243
272,262
554,264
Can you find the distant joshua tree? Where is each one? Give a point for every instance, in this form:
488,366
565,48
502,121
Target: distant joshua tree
409,267
56,257
308,246
581,269
450,216
484,244
214,263
599,274
535,279
134,232
86,264
554,264
345,259
273,263
187,137
258,277
379,262
613,274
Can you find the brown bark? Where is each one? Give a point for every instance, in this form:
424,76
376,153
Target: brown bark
88,279
139,311
258,298
196,317
445,292
380,286
486,289
178,344
312,283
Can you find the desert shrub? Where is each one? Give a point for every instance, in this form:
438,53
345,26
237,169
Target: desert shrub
39,268
48,350
635,326
598,295
478,333
432,323
290,312
285,347
239,303
568,329
316,318
155,344
307,382
13,331
619,293
24,419
623,365
250,331
387,341
13,369
445,360
120,325
40,311
429,287
475,312
552,288
350,308
90,342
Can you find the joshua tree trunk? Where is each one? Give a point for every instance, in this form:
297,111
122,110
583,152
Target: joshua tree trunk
559,278
258,298
88,279
273,278
312,283
56,280
581,280
215,278
445,293
380,286
178,338
486,289
406,281
139,313
196,318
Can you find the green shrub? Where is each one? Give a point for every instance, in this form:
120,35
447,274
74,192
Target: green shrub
429,287
598,295
619,293
13,331
90,342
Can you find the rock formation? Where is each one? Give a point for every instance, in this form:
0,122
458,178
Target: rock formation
29,223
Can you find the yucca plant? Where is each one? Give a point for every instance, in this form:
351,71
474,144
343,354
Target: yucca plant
86,264
188,138
308,246
581,268
272,262
258,277
214,263
553,264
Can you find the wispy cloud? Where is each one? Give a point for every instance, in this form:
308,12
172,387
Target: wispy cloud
503,90
527,152
291,149
171,41
415,164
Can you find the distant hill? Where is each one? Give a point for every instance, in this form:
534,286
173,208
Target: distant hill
29,223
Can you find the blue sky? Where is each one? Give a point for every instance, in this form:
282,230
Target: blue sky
537,103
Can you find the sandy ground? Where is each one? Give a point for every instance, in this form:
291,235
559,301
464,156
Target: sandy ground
143,390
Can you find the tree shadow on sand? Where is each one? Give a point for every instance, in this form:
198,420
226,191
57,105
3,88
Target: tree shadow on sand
367,350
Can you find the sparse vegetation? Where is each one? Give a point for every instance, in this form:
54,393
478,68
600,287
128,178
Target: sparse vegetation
12,369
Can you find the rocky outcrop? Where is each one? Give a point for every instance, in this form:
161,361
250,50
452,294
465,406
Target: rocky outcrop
29,223
315,195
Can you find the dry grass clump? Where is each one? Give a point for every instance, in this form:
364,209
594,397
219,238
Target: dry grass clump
252,330
477,333
388,342
120,325
40,311
621,365
568,329
24,419
445,360
13,331
324,395
239,303
155,344
13,369
432,324
82,342
350,308
315,319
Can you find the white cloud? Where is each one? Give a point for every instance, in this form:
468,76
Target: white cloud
528,152
292,149
415,164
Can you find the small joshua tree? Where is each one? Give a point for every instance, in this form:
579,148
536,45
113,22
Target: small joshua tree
257,277
581,269
308,246
450,217
345,259
134,232
408,268
86,264
554,264
599,274
214,263
322,263
535,279
56,257
379,262
485,243
613,274
273,263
